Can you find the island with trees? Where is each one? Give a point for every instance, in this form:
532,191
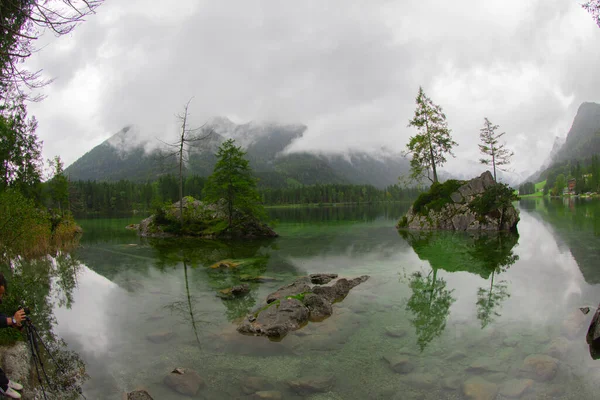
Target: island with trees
232,207
481,204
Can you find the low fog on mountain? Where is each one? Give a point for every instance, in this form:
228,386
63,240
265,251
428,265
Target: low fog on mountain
349,72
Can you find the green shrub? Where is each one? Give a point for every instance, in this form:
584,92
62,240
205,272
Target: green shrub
403,223
437,196
495,197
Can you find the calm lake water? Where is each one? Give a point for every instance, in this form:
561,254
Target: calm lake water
443,316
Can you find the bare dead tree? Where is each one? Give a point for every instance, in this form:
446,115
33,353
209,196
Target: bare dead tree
22,22
188,137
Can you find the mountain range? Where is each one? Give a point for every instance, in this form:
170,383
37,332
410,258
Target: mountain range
581,143
129,155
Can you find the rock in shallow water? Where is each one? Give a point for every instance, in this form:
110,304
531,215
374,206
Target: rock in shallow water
318,307
139,395
160,337
515,388
540,367
277,319
295,288
253,384
306,386
290,307
477,388
322,279
395,331
184,381
268,395
400,364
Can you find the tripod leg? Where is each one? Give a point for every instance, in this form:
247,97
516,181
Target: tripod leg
35,357
38,339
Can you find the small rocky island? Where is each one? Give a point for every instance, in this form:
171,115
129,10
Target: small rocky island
292,306
202,220
480,204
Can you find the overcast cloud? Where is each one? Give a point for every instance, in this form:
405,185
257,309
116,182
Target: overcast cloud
349,70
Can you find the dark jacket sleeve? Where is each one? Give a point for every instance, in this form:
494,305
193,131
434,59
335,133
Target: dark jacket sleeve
3,323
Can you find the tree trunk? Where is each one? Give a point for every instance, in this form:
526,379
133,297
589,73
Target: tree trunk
435,177
494,163
181,181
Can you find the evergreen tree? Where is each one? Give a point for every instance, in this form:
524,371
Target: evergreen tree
20,149
232,181
498,154
559,185
432,142
59,185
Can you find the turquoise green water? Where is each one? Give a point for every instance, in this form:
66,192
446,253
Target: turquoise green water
462,313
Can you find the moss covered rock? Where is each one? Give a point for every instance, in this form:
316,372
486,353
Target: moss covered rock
204,220
480,204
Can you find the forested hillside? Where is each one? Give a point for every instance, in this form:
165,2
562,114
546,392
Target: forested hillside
128,155
87,197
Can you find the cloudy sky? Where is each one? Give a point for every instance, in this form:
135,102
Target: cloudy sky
349,70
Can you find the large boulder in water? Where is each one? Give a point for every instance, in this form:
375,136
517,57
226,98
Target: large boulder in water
593,335
480,204
292,306
277,319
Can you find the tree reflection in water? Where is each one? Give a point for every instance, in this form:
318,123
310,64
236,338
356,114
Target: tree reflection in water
430,305
486,255
40,284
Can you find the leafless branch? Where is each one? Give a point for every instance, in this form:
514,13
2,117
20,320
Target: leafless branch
21,23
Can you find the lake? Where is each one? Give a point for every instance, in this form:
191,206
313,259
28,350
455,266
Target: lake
443,315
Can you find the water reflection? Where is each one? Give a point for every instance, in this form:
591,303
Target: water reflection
486,255
430,305
245,263
576,223
40,284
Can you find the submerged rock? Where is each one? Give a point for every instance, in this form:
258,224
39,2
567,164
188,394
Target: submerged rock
306,386
235,291
559,347
540,367
477,388
160,337
184,381
258,279
462,210
253,384
268,395
138,395
574,324
515,388
400,364
395,331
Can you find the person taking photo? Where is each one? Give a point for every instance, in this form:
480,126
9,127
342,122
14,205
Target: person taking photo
9,388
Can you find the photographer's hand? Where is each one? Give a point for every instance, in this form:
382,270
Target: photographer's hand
19,317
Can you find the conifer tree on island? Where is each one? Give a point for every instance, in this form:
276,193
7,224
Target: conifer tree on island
498,154
232,181
432,142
